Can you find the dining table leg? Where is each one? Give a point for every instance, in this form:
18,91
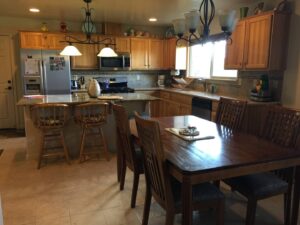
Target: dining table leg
186,197
296,197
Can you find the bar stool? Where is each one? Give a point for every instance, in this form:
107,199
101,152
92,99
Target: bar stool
91,117
51,119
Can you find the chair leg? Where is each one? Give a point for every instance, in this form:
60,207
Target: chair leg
134,189
122,178
104,145
220,212
147,206
251,210
287,207
65,147
82,144
170,217
119,162
41,152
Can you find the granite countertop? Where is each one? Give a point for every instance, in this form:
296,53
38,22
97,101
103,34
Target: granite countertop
201,94
80,98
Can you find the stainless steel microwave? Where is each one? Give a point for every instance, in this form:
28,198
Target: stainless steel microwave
121,62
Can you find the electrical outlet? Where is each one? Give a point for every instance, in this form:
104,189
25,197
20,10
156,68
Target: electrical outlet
138,77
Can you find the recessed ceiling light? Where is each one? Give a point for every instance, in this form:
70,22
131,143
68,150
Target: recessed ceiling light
34,10
152,19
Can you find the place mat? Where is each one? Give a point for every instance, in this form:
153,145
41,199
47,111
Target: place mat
175,131
110,97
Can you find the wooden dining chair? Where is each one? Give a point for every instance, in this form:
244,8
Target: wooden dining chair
129,156
92,117
51,119
230,113
165,189
282,127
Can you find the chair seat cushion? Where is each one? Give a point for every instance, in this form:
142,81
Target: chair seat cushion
261,185
200,193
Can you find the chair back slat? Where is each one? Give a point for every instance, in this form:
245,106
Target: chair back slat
91,113
230,113
50,116
154,158
282,126
123,134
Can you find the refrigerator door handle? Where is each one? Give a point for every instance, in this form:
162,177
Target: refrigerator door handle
43,78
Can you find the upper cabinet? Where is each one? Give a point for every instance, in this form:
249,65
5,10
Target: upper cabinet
122,44
88,59
170,53
35,40
259,43
156,54
147,53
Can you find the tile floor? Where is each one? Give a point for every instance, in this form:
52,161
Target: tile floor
88,194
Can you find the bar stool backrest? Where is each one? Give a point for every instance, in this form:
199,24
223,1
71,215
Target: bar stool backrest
50,116
91,113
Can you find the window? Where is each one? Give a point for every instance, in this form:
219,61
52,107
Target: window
207,61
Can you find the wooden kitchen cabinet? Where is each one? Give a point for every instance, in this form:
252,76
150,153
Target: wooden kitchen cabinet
31,40
122,44
47,41
53,41
235,48
264,46
155,54
139,53
170,53
88,59
147,53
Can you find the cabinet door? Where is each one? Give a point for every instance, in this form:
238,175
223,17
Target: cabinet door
156,54
170,53
88,59
122,44
53,41
31,40
185,109
172,109
258,33
139,53
235,48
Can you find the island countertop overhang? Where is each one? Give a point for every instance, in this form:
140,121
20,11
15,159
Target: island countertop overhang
70,99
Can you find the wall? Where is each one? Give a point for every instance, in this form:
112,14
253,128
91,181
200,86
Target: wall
291,85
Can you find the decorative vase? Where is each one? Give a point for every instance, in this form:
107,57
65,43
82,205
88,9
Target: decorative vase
94,88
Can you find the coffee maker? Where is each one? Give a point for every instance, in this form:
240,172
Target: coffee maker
161,81
261,92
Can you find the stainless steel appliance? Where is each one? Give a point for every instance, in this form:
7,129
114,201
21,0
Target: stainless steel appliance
114,85
45,72
121,62
202,108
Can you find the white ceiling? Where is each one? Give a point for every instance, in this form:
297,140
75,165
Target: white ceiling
121,11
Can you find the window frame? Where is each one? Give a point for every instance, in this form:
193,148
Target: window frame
211,76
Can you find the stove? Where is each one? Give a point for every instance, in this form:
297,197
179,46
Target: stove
114,85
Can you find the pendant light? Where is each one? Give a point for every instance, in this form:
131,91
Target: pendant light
88,28
200,20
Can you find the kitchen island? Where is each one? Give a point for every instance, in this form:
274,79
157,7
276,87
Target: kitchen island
72,132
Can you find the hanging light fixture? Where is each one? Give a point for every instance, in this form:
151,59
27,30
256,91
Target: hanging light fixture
200,20
88,28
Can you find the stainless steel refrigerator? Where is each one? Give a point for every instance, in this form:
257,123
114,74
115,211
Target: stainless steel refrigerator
45,72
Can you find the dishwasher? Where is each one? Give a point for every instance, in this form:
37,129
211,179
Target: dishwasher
202,108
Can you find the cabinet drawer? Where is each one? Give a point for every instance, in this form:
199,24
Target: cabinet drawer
185,99
165,95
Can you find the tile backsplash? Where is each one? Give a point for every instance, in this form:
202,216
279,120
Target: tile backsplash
136,79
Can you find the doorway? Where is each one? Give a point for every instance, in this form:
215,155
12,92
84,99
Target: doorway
7,103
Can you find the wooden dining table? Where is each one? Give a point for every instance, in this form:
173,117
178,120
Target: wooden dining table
228,154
